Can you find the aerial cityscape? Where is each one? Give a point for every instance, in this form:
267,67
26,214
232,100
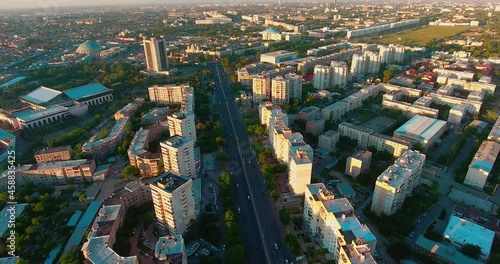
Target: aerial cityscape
267,131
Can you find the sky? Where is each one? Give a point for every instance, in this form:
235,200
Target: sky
54,4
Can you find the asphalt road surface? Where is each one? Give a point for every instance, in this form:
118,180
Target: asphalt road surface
258,218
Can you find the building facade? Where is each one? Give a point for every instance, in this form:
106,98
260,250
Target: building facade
329,140
155,51
169,94
182,124
280,92
178,156
397,182
482,164
53,154
148,163
339,74
174,203
261,88
294,84
299,170
322,77
358,163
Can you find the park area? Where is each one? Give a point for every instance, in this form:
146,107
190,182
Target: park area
422,36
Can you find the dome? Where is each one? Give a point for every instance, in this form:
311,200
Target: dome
89,47
271,30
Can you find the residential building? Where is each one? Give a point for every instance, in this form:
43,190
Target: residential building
368,62
155,51
421,130
329,140
55,172
169,94
99,246
315,126
411,110
148,163
178,156
451,74
299,170
130,109
309,113
397,182
7,145
471,106
461,232
322,77
268,110
338,109
442,253
472,86
367,137
271,34
171,249
494,134
294,85
155,116
174,203
392,53
134,194
53,154
261,88
457,114
276,57
307,65
333,225
280,93
339,74
482,164
358,163
100,147
182,124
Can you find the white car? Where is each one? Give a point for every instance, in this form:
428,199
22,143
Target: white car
276,246
237,185
239,210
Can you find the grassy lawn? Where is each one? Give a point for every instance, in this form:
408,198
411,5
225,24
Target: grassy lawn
58,134
421,36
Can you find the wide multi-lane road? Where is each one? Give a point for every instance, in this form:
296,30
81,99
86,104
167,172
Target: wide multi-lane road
258,218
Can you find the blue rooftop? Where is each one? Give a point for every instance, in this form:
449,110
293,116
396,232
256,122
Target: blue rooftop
77,236
271,30
85,91
483,165
5,135
12,82
52,255
74,218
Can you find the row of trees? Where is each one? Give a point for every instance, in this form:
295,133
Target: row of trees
235,251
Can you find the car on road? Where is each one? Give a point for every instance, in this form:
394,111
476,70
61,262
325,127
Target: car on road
237,185
211,186
286,261
276,246
248,197
232,174
239,210
419,221
412,233
425,214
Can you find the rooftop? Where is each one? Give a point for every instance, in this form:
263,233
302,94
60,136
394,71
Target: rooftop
446,252
31,115
422,127
465,232
271,30
89,46
82,226
155,113
403,167
299,154
278,53
346,188
41,95
169,182
86,91
52,150
176,141
330,133
98,252
5,216
362,154
485,156
5,135
169,247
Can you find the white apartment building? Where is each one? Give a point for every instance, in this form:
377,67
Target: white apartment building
280,92
299,170
182,124
339,74
367,137
482,164
397,182
169,94
268,110
329,140
178,156
368,62
392,53
155,51
494,134
333,225
174,203
294,84
261,86
322,77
